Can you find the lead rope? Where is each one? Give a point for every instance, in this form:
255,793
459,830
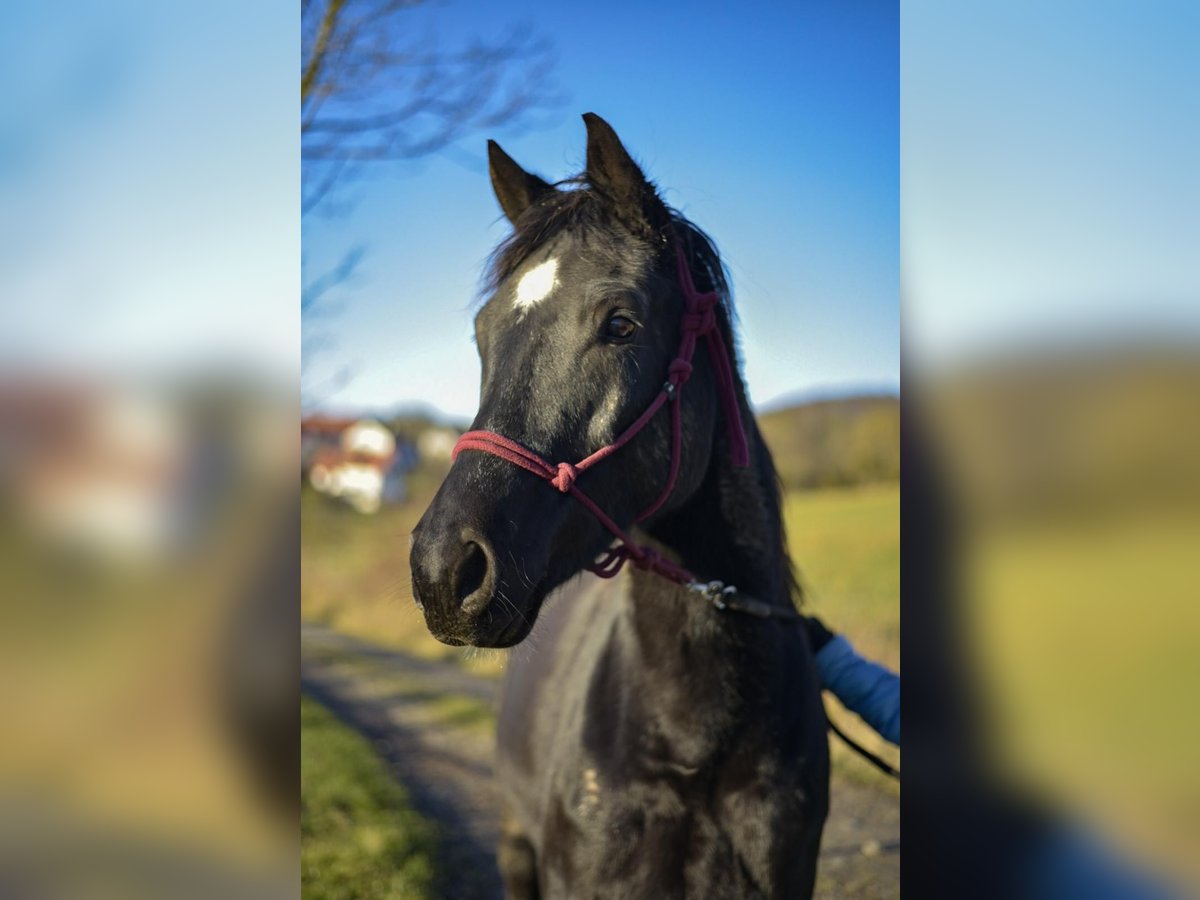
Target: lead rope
877,761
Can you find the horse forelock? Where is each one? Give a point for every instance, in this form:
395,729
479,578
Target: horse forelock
575,208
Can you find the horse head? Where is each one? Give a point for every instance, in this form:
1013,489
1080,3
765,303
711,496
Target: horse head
577,338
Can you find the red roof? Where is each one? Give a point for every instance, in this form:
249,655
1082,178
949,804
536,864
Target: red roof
322,424
332,457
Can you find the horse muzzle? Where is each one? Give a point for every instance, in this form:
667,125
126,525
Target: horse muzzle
459,585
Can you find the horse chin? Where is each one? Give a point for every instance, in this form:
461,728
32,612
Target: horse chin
508,635
502,624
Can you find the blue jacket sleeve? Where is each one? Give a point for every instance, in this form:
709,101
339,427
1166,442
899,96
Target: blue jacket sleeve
862,686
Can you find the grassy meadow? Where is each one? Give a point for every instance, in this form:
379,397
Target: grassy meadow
845,543
358,837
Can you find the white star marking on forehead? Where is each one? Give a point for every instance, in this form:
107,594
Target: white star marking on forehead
536,285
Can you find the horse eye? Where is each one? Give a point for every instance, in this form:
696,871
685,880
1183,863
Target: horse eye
620,328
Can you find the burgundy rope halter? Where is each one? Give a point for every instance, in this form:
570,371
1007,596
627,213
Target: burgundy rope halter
699,320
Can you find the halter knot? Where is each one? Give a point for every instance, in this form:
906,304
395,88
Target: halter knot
565,478
702,319
679,371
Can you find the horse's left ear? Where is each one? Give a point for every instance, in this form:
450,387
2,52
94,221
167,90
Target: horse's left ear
612,172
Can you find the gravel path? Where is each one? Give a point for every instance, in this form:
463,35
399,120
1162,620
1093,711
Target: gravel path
443,756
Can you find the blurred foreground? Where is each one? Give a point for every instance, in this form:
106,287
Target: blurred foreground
149,570
149,354
1051,604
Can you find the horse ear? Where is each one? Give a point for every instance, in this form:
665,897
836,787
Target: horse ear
612,171
516,189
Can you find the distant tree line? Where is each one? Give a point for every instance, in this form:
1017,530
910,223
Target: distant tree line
835,442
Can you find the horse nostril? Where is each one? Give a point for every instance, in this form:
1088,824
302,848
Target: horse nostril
472,573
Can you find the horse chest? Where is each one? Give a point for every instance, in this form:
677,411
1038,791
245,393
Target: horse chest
628,785
665,832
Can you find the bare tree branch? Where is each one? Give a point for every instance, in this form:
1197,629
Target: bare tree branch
372,91
314,291
316,59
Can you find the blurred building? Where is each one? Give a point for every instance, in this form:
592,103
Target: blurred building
98,468
437,443
356,460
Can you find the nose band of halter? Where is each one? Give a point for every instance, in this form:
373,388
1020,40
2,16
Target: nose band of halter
699,320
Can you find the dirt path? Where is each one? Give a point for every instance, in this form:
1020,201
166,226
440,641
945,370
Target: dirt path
431,722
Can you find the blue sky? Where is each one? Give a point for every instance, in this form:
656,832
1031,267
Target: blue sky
776,128
149,171
149,179
1049,179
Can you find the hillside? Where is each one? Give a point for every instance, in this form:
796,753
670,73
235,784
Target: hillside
835,442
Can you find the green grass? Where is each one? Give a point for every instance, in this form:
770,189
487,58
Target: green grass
846,546
358,837
845,543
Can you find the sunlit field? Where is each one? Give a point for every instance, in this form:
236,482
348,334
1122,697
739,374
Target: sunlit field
845,543
358,836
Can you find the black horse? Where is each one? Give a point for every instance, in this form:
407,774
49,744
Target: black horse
651,744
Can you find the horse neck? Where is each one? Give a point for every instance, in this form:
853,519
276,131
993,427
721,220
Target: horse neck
731,529
710,668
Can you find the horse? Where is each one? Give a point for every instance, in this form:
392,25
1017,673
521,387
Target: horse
664,736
